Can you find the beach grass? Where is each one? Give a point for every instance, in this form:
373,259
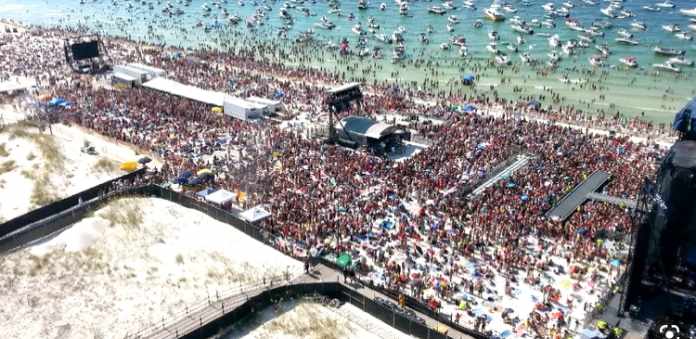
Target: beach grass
43,192
3,150
123,212
7,166
53,157
104,165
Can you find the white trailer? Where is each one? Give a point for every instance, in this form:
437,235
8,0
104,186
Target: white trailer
242,109
139,75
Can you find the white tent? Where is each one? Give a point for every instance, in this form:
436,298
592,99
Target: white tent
186,91
220,197
270,106
255,214
242,109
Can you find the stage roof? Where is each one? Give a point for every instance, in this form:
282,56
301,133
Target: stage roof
186,91
365,126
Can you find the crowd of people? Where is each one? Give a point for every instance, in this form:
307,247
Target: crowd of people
409,224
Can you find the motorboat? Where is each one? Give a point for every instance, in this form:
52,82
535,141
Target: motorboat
688,12
509,9
651,8
492,47
590,2
568,4
629,61
554,41
680,60
362,4
459,41
608,11
493,14
453,19
639,25
626,41
667,67
624,33
683,36
692,27
521,28
665,4
520,40
450,28
493,36
549,7
596,60
516,20
403,8
502,60
463,51
568,48
357,29
444,46
325,23
382,6
548,24
437,10
512,48
672,28
449,5
668,51
574,25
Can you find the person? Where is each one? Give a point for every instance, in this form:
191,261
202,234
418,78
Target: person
306,266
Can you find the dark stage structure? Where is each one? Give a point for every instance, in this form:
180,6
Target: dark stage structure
86,54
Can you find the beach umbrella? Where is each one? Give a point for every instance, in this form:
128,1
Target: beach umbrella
216,109
615,262
469,108
129,166
144,160
204,171
468,79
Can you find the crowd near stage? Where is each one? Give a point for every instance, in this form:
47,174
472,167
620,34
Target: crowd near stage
493,261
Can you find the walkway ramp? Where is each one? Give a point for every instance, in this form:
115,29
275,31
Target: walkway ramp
577,196
521,161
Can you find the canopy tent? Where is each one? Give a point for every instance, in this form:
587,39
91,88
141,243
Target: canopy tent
468,108
220,197
255,214
468,79
344,260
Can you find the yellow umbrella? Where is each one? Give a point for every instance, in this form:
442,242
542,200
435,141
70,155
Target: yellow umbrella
216,109
204,171
129,166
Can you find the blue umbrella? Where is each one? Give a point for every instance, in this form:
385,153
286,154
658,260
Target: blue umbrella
469,108
615,262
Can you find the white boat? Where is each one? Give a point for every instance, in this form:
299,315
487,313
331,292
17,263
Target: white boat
463,51
596,61
492,13
665,4
574,25
549,7
692,27
554,57
672,28
437,10
522,29
680,60
403,8
608,11
459,41
683,36
444,46
382,6
624,33
453,19
668,51
362,4
502,60
449,5
666,66
651,8
554,41
450,28
639,25
357,29
627,41
492,47
688,12
629,61
493,36
508,8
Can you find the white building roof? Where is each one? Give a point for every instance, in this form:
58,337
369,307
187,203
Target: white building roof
186,91
123,76
147,68
220,197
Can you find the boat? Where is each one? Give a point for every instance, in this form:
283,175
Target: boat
688,12
437,10
463,51
493,14
548,24
450,28
453,19
362,4
357,29
651,8
508,8
629,61
449,5
692,27
596,60
672,28
639,25
680,60
626,41
665,4
668,51
554,57
325,23
624,33
382,6
459,41
502,60
683,36
522,29
381,37
554,41
493,36
666,66
608,11
444,46
403,8
492,47
574,25
549,7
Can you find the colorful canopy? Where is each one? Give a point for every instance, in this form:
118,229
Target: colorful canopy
129,166
344,260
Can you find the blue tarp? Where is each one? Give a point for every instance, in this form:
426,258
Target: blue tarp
58,101
469,78
387,224
205,192
469,108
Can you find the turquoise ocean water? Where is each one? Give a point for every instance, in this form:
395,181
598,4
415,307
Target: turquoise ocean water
630,91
